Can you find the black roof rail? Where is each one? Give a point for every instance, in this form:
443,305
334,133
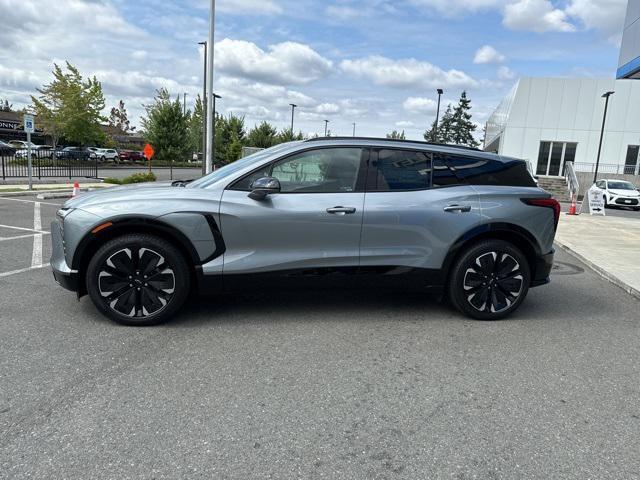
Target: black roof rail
378,139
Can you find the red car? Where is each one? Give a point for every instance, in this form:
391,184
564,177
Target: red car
131,156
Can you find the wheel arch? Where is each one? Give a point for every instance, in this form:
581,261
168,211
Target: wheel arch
514,234
91,242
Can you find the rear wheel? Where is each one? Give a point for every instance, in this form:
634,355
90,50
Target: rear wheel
490,280
138,279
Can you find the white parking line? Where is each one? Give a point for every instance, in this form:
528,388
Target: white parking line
30,201
24,229
18,237
36,256
22,270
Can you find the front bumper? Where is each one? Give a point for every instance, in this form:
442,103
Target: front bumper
544,264
62,273
624,201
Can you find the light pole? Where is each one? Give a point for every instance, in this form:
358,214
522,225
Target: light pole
210,99
606,96
184,103
326,124
354,129
213,127
435,130
293,108
204,110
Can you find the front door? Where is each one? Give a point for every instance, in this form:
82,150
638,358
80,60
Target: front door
313,224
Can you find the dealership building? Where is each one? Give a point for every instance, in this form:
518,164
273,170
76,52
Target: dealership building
552,121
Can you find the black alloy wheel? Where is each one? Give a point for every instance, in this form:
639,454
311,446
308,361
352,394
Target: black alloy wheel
138,279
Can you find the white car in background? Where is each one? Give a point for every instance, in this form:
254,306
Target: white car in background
619,193
105,154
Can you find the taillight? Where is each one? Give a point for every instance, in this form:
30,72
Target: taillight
547,203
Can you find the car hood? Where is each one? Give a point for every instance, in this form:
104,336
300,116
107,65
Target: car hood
624,193
124,194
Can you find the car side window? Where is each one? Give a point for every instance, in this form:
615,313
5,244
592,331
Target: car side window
485,171
398,170
600,184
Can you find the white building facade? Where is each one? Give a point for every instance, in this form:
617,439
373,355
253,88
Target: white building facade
629,62
551,121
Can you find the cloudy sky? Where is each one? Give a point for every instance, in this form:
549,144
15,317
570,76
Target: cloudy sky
376,63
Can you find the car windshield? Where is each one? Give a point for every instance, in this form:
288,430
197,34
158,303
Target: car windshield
238,165
621,186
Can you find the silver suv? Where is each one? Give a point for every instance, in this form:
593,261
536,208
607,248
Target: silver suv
340,211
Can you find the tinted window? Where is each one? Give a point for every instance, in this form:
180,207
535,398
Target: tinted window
443,176
482,171
401,170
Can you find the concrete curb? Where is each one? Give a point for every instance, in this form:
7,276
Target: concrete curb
600,271
27,193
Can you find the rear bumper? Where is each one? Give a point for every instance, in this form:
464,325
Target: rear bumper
544,264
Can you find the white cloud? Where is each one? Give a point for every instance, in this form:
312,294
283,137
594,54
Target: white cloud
420,105
250,7
488,54
343,12
405,73
288,63
505,73
604,15
456,7
328,108
405,124
537,16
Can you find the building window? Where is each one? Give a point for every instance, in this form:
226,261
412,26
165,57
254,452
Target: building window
553,156
631,162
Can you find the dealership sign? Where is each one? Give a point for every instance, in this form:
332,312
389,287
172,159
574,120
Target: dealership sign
596,201
7,125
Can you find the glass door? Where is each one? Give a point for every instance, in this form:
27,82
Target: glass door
553,156
631,162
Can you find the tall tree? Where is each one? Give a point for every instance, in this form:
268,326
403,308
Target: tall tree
71,106
443,134
262,136
119,119
230,133
5,106
165,126
462,126
287,135
196,130
396,135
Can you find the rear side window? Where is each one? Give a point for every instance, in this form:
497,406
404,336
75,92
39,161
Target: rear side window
397,170
483,171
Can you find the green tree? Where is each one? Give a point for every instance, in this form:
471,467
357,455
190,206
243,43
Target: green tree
119,119
229,130
165,127
5,106
396,135
462,127
443,134
196,130
262,136
71,106
287,135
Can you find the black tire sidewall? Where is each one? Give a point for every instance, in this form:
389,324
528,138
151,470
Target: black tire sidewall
466,258
172,256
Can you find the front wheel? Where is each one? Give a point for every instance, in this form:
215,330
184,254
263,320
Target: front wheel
490,280
138,279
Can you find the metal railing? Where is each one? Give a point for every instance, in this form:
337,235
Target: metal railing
47,163
572,181
606,168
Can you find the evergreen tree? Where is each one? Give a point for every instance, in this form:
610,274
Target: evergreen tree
287,135
445,126
119,119
195,126
230,133
262,136
397,135
462,127
165,126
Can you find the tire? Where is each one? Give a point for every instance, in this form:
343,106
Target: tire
103,159
606,203
128,259
490,280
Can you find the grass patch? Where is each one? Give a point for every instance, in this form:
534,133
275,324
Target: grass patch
135,178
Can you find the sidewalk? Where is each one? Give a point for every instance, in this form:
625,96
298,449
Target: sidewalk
38,187
609,245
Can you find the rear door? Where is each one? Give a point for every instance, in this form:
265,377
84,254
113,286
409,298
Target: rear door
313,223
415,209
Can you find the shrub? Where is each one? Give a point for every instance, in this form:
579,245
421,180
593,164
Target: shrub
135,178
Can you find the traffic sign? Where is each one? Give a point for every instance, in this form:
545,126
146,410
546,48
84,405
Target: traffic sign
29,126
596,201
148,151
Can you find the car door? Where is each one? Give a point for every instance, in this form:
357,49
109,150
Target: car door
313,224
410,220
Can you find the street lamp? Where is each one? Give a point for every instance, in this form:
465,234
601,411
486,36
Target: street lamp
326,124
606,96
204,110
211,98
293,108
435,130
354,129
184,103
213,126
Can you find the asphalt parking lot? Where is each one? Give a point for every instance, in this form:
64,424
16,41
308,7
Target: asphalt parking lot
316,385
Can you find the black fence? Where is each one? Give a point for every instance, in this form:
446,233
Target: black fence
47,163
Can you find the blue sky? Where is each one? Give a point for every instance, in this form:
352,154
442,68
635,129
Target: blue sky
376,63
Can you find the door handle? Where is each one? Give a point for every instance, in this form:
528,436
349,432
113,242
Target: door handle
341,210
458,208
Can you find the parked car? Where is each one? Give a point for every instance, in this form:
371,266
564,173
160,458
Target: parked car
341,211
6,149
37,151
619,193
78,153
22,145
105,154
131,156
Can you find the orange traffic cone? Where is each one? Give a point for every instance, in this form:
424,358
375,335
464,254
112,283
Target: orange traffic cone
76,189
573,207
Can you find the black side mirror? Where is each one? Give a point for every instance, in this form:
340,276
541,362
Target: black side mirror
264,186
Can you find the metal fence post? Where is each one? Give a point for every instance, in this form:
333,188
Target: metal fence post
3,174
